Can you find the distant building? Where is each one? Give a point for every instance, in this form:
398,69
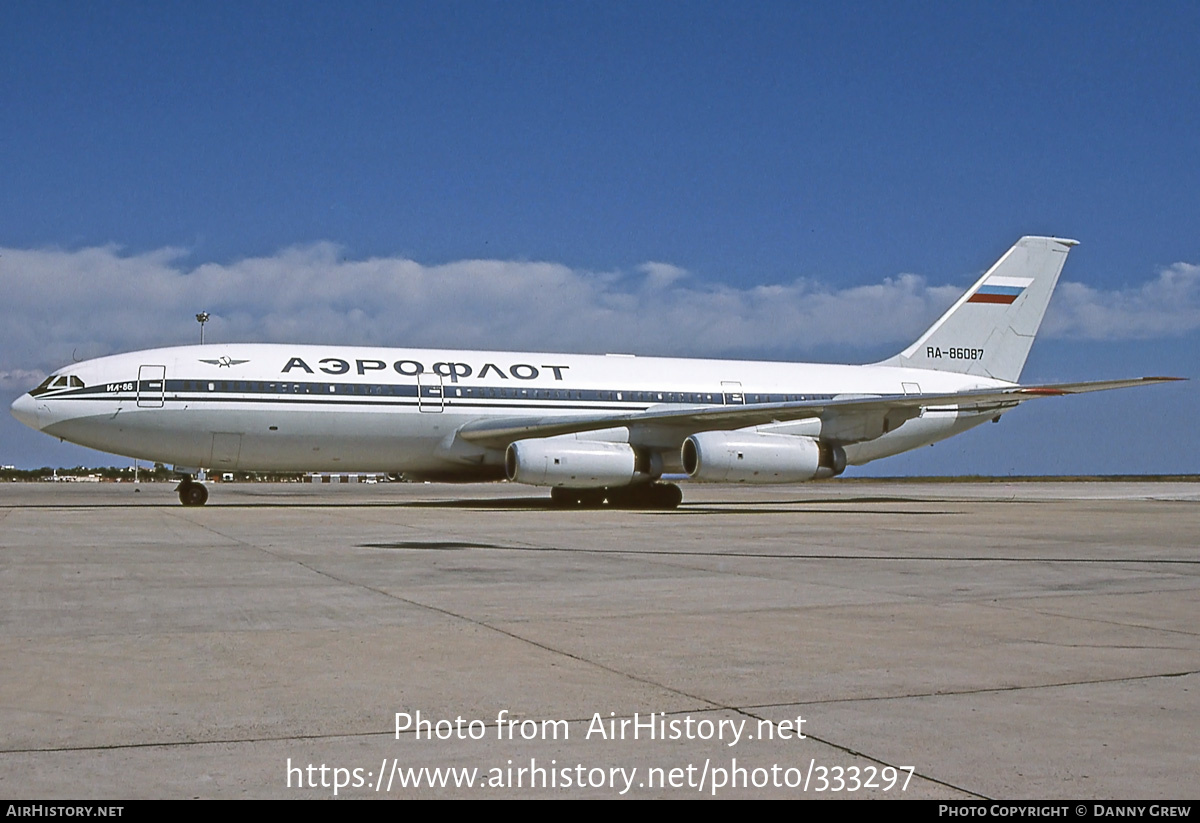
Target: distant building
345,477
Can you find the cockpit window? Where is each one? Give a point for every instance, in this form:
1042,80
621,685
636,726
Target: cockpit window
58,381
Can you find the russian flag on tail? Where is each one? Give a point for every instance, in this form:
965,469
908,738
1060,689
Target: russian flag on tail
1003,290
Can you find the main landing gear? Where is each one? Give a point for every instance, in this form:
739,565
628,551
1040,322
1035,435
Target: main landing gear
192,493
663,496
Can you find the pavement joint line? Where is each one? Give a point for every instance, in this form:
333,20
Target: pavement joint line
994,690
1011,606
809,556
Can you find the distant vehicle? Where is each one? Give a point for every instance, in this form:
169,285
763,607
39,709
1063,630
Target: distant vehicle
597,430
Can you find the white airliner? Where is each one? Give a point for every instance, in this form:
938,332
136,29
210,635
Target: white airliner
595,429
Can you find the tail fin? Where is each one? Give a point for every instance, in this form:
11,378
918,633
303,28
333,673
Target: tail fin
989,330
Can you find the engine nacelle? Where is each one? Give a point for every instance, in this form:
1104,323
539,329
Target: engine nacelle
752,457
570,463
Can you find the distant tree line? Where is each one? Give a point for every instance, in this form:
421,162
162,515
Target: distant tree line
146,474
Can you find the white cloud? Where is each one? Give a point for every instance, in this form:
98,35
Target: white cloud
661,275
1167,306
94,301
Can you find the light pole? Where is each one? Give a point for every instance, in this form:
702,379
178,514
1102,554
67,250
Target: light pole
202,318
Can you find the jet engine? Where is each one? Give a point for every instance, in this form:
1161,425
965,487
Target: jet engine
570,463
753,457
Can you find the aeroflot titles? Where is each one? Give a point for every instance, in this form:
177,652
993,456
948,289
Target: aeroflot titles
411,368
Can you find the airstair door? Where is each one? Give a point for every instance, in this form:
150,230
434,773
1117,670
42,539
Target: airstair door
151,386
431,394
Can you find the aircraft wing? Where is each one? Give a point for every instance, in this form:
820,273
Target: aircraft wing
857,415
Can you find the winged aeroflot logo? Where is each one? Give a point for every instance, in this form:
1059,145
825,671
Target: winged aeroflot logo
224,362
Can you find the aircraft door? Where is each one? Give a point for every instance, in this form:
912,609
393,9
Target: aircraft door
151,386
913,388
431,394
731,393
226,449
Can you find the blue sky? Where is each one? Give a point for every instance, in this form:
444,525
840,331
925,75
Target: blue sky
676,162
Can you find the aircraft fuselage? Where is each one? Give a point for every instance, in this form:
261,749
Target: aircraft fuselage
269,407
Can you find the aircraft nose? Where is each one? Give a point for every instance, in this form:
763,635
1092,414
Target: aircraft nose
24,408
